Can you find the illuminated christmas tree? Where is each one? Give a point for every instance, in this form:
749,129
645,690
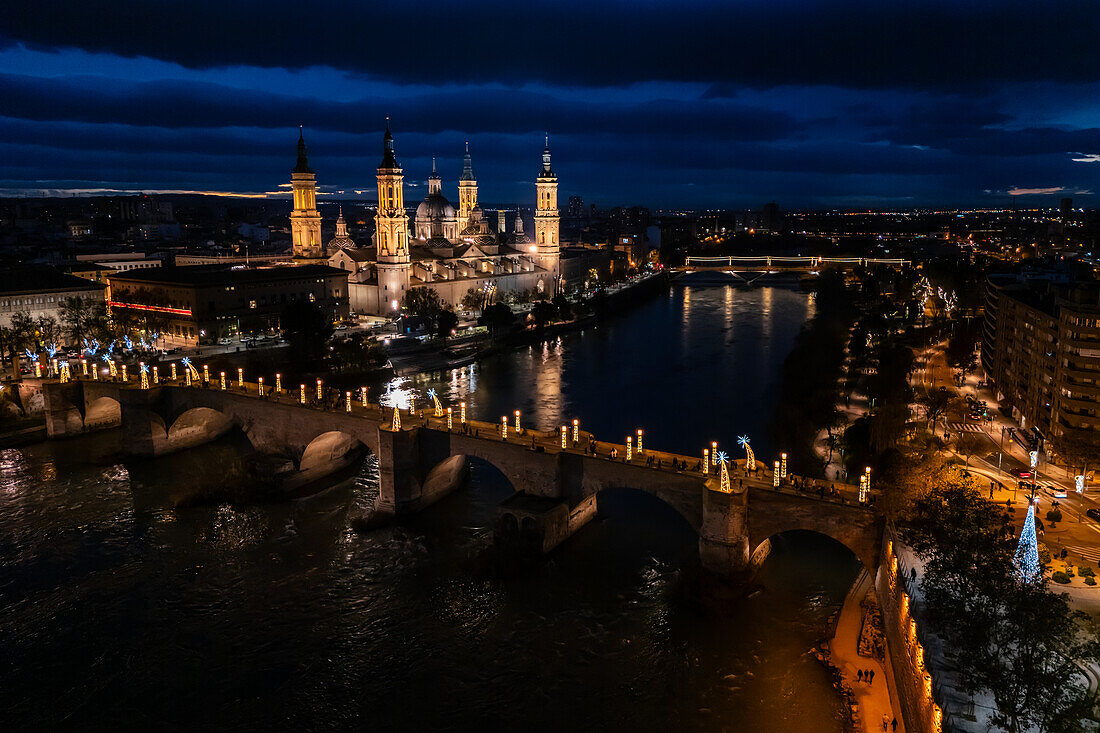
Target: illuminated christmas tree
1027,552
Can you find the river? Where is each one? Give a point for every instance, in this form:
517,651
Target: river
119,612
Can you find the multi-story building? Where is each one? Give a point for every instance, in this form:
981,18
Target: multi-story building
39,291
201,304
1041,348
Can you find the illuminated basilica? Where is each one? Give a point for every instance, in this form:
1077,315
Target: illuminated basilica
451,250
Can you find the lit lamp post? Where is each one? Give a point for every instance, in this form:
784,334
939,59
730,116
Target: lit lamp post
125,376
156,376
775,475
240,378
363,395
278,383
706,460
864,485
782,465
462,413
172,370
576,431
206,373
629,446
504,427
95,374
347,401
221,380
564,435
260,385
83,366
114,370
37,370
302,393
450,414
714,452
519,430
319,389
640,450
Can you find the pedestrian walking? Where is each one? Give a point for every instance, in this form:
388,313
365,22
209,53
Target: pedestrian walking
859,676
894,725
870,676
885,722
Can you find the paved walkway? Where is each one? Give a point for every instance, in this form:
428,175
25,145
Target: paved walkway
875,699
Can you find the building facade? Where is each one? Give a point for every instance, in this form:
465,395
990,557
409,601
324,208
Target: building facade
450,250
305,220
40,291
201,304
1041,348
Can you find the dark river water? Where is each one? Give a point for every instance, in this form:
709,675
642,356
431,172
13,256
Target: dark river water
118,612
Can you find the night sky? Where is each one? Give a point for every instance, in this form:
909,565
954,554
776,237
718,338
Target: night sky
813,103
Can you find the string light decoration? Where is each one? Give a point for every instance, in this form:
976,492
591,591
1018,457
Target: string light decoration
504,427
462,412
144,375
37,370
54,368
260,386
240,378
714,452
396,425
125,376
206,374
750,457
83,366
347,401
221,380
95,374
450,412
629,446
864,485
319,392
156,376
564,436
706,461
519,430
114,369
278,382
65,376
302,393
190,370
1027,552
412,406
723,473
640,451
1079,484
172,370
576,431
438,404
782,465
363,395
775,475
1034,455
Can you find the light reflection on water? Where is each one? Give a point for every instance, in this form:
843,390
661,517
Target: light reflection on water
115,607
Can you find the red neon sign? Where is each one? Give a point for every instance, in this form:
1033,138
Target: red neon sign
156,308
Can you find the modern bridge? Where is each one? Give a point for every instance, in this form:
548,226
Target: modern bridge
752,268
558,475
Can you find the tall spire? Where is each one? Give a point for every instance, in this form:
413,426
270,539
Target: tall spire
467,165
546,171
303,163
389,159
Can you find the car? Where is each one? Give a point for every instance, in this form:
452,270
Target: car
224,342
1021,473
1093,513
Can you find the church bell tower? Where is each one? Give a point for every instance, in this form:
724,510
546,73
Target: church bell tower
305,220
391,235
547,246
467,192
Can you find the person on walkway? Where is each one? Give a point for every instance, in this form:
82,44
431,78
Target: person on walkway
870,676
885,722
859,676
894,725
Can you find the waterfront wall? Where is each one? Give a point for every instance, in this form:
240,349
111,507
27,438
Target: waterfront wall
908,658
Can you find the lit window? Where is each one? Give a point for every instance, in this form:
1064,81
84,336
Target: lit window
252,304
312,298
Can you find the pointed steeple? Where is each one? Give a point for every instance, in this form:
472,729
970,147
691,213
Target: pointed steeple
467,165
435,181
389,159
341,225
546,171
303,162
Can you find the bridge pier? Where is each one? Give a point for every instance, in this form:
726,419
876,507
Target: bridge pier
724,536
62,405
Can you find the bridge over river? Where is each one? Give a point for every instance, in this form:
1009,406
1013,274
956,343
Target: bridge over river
558,475
750,269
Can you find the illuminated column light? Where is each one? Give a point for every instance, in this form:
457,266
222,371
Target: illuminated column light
396,419
114,370
519,430
640,450
347,401
714,452
319,389
782,465
564,436
412,406
450,417
775,475
462,412
125,376
54,369
260,385
864,485
576,431
240,377
706,460
95,374
37,370
504,427
186,375
363,395
302,393
64,375
221,380
172,370
83,367
144,375
629,448
278,382
206,373
156,376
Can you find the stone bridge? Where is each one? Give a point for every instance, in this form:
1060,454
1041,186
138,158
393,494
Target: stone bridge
422,460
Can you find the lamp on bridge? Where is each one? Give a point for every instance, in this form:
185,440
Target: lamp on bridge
347,401
775,475
113,368
706,460
462,412
37,370
156,376
302,393
396,419
504,427
450,415
576,431
240,377
260,385
319,393
436,402
519,430
782,465
723,473
186,374
278,383
144,375
363,395
206,373
125,376
629,446
221,380
95,374
172,370
714,452
83,366
864,484
564,434
640,451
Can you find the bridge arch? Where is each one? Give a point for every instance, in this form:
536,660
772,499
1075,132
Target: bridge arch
197,426
760,549
330,451
607,499
103,412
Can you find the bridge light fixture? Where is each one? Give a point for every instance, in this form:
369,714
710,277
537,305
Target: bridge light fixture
95,374
629,446
714,452
504,427
363,395
782,465
222,381
723,473
83,366
436,402
125,376
206,373
750,457
396,425
37,370
278,383
260,385
564,435
775,475
462,412
144,375
864,484
450,416
302,393
156,376
319,389
240,377
347,401
172,370
519,429
706,461
640,451
576,431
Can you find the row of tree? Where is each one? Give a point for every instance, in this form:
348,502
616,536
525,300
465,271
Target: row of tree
80,319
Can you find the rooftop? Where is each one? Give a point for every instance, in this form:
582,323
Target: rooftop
40,278
199,275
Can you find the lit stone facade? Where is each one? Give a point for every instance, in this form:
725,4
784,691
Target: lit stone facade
305,220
